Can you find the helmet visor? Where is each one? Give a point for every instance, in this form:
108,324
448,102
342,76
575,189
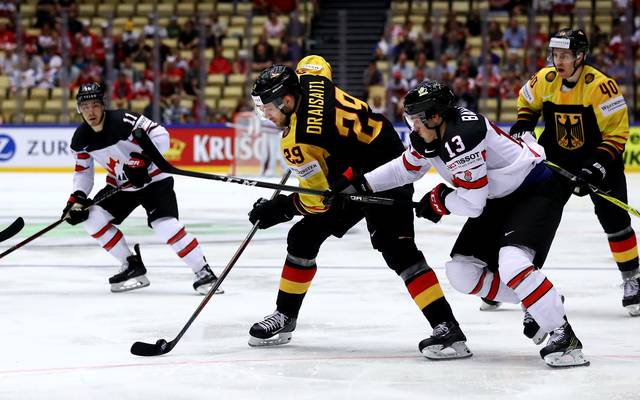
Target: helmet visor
415,121
265,110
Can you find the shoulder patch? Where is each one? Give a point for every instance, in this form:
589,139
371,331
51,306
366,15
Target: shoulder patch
588,78
612,106
550,76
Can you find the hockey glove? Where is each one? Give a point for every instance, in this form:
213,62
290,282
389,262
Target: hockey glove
521,128
77,208
350,182
137,169
272,212
431,206
593,172
425,149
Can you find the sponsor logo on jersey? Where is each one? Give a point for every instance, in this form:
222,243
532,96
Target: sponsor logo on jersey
313,67
612,106
467,160
468,176
7,147
526,93
569,130
315,107
306,171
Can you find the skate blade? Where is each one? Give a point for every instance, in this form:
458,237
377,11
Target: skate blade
573,358
204,290
281,338
633,310
130,284
439,352
489,307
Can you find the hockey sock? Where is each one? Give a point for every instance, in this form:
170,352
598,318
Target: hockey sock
99,226
296,278
470,275
186,246
423,286
624,248
532,287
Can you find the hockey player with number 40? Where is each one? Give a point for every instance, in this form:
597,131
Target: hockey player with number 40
513,201
106,137
586,129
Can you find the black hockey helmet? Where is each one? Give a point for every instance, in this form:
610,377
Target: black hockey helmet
89,91
273,84
426,100
568,39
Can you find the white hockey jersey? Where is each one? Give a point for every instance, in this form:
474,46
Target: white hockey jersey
111,148
476,157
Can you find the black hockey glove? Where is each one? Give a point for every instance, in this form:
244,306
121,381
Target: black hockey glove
522,127
137,169
350,182
425,149
431,206
272,212
593,172
77,208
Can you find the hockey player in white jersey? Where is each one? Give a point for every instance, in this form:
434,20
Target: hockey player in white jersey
513,203
105,137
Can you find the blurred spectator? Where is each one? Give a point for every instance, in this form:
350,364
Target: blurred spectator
619,70
384,45
515,36
46,38
216,30
150,29
430,37
9,60
295,28
262,55
7,9
127,68
45,11
24,77
563,6
143,89
418,78
466,68
539,39
443,71
173,28
177,112
74,25
219,64
273,28
283,6
514,64
421,64
7,37
283,55
48,78
495,35
403,67
122,91
474,23
489,73
188,36
396,89
405,45
372,76
465,95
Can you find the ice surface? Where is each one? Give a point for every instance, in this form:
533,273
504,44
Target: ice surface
63,335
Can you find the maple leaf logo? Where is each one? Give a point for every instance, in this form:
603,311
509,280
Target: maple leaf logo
111,166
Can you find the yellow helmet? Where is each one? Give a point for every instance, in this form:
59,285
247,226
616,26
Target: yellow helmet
314,65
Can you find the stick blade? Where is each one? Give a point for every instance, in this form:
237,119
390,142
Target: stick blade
15,227
149,350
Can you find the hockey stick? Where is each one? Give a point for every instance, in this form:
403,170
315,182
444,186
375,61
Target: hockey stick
594,189
152,152
162,346
50,227
12,230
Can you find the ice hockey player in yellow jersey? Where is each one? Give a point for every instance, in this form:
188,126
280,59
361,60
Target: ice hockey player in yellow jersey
330,139
586,127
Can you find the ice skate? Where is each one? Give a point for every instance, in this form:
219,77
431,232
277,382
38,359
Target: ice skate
563,349
489,305
631,297
275,329
131,276
204,280
446,342
532,330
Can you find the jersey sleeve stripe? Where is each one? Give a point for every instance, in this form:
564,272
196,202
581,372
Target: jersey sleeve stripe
477,184
83,156
408,165
80,168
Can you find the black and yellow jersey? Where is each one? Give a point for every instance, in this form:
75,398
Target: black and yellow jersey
331,131
591,115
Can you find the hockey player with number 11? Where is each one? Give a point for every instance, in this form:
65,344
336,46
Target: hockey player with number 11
513,201
106,137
